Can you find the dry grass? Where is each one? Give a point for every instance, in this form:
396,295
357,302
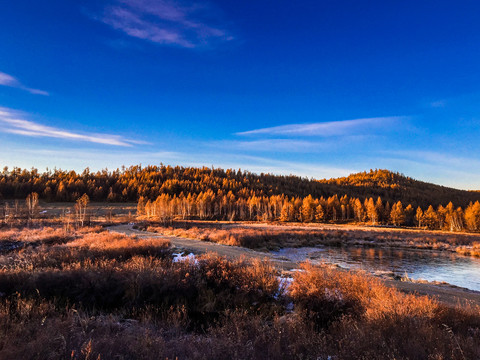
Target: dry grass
327,293
366,320
272,237
108,296
249,237
38,235
473,250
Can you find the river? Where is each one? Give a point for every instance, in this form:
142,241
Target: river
428,265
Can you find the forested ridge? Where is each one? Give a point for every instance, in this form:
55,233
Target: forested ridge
166,193
129,184
393,186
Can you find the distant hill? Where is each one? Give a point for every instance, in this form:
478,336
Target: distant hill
128,184
394,186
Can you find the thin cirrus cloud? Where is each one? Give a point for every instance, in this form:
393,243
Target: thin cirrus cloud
441,159
13,122
270,145
329,128
9,80
164,22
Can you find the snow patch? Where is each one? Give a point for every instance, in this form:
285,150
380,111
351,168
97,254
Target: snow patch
177,257
284,283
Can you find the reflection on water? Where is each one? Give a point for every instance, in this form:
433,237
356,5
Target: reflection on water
418,264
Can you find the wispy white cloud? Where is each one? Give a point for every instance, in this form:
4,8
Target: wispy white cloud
164,22
330,128
290,145
14,122
283,145
9,80
438,158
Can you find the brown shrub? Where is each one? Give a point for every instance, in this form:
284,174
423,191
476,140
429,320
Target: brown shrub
326,294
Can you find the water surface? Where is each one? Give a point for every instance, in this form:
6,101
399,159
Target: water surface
449,267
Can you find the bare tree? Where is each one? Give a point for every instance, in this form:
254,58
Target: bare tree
81,209
32,205
66,220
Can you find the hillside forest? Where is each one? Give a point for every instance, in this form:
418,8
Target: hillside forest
378,197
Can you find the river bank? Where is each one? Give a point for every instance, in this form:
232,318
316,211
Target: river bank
445,293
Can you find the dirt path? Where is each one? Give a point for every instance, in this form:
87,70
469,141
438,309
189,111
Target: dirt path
444,293
202,247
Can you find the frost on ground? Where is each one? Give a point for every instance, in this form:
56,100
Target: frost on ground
283,286
181,257
284,283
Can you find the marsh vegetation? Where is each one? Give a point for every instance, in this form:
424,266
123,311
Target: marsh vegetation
91,294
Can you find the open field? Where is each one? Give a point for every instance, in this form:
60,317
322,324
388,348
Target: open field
93,294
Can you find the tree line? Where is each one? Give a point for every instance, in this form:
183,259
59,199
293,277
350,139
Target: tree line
129,184
227,206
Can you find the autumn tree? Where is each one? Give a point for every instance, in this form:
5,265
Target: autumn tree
372,212
430,218
319,213
397,214
452,218
308,209
380,209
286,212
141,206
472,216
443,215
359,210
81,209
419,217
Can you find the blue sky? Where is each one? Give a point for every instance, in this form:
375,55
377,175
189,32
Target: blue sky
313,88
